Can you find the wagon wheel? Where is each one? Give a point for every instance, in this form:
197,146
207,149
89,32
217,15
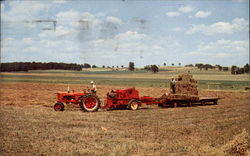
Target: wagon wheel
203,103
175,104
133,104
190,103
160,105
90,103
59,106
215,102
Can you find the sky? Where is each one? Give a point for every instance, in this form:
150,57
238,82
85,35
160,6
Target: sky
116,32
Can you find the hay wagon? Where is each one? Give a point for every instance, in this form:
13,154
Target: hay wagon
129,98
174,100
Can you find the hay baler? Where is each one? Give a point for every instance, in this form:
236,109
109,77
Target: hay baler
129,98
123,98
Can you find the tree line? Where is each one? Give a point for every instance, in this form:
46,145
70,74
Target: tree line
240,70
26,66
234,69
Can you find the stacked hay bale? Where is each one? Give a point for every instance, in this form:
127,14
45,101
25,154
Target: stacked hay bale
185,84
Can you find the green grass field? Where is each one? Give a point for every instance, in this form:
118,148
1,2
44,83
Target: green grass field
210,79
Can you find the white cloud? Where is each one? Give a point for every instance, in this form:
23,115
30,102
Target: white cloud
202,14
74,15
178,29
24,10
130,35
157,47
61,32
47,50
182,9
7,42
77,20
27,40
70,14
113,19
222,49
186,9
239,1
173,14
223,52
237,25
2,7
60,1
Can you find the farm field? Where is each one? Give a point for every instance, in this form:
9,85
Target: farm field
141,78
30,126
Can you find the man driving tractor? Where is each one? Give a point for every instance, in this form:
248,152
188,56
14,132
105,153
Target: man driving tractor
93,87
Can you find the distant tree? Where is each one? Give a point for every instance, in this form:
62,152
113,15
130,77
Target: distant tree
164,64
131,66
94,66
207,66
199,65
189,65
172,64
234,69
220,67
86,65
103,66
179,64
154,68
122,66
246,68
225,68
147,67
237,70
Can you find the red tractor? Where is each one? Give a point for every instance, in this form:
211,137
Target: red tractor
88,101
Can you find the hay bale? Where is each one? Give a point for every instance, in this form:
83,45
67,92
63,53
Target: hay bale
185,84
185,77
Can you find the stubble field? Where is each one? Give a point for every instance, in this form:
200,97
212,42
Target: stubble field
30,126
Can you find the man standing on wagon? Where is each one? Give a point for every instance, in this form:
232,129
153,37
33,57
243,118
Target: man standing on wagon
172,85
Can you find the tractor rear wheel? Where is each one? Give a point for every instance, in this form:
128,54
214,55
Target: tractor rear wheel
90,103
59,106
160,105
133,104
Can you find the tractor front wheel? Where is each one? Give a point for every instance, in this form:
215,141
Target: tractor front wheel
133,104
59,106
90,103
